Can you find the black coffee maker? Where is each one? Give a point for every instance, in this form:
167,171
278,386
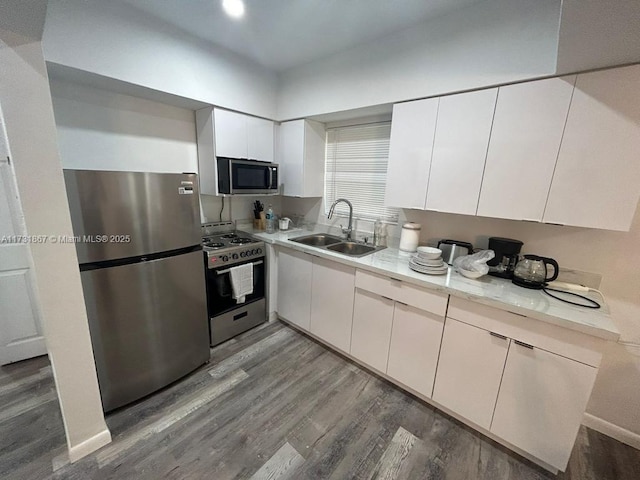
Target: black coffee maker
507,251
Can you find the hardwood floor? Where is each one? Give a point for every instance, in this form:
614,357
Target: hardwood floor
273,404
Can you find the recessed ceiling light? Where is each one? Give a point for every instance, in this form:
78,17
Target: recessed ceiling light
233,8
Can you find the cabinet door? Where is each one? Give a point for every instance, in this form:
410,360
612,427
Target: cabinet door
596,180
469,371
371,332
525,139
260,139
415,345
412,130
207,171
21,334
291,156
294,287
541,402
459,151
231,134
332,302
315,140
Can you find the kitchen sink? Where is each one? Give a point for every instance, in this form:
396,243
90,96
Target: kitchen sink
317,240
352,249
324,241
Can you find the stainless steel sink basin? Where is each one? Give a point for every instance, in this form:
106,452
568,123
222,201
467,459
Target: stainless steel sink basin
317,240
325,241
352,249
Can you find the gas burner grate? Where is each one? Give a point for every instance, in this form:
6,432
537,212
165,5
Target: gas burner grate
212,244
241,241
228,236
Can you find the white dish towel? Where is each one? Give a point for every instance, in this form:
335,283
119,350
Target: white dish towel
241,281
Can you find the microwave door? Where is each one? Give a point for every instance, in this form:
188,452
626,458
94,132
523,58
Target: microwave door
249,178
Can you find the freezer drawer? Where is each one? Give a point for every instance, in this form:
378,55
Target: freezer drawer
148,324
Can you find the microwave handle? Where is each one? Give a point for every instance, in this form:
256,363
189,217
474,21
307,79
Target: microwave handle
270,177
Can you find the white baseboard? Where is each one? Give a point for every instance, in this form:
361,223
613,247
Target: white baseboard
273,316
89,446
614,431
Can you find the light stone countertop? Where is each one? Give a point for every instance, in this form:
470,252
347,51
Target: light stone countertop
487,290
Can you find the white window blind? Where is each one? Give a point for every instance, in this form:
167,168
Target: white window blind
356,169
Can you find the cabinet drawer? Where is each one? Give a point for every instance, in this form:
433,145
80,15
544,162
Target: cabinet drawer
434,302
562,341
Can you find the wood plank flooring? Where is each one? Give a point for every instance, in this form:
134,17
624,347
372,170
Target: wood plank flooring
273,404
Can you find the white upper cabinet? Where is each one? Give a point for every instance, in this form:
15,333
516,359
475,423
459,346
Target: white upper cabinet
243,136
459,151
412,130
260,139
525,139
301,156
596,180
230,134
221,133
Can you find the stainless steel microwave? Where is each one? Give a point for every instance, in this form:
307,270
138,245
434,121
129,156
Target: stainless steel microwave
246,176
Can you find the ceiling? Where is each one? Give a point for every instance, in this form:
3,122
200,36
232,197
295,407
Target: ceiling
281,34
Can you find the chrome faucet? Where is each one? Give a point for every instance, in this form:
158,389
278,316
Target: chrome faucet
347,231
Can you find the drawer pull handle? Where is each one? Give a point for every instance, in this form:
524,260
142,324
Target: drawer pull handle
497,335
401,303
387,298
519,314
525,345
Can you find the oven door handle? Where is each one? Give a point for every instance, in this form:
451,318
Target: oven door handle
227,270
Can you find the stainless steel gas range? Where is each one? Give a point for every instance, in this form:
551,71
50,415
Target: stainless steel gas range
225,248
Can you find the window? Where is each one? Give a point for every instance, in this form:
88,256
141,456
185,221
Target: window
356,169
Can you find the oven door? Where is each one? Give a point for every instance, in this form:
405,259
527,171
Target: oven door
253,177
220,294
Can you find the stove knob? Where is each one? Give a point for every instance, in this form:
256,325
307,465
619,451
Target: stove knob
225,258
254,251
243,254
235,256
259,251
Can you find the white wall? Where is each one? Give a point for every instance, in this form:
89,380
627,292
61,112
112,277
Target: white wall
101,130
490,42
598,33
239,208
118,41
30,128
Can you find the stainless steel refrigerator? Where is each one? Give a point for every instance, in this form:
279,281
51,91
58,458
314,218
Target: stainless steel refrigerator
138,241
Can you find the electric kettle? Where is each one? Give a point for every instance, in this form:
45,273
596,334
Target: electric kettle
531,271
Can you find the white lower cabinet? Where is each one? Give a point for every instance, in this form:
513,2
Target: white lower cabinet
469,371
541,402
332,297
294,287
414,348
371,332
475,363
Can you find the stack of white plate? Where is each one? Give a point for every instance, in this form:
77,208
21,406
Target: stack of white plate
428,260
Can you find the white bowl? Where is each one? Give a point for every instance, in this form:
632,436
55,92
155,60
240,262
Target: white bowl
470,274
429,253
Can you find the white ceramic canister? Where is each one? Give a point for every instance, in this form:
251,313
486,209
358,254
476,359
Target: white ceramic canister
410,236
